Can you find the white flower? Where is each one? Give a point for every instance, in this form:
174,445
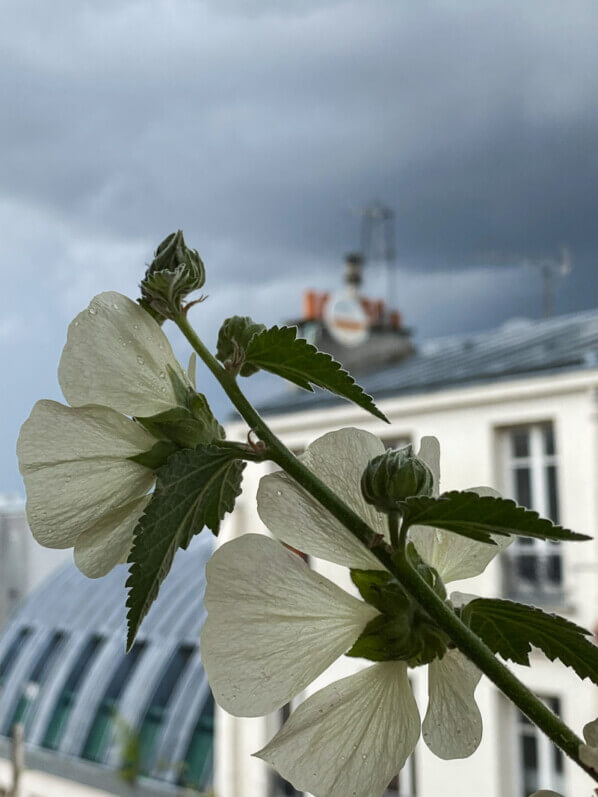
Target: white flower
118,356
274,625
588,752
546,793
82,488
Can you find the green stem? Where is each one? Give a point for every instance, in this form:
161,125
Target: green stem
467,642
393,528
475,649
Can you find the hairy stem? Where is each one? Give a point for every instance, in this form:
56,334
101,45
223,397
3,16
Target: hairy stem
462,636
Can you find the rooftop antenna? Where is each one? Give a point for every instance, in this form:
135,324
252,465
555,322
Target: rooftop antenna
549,269
378,242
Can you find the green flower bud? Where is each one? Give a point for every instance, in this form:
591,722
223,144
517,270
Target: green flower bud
234,337
175,271
394,476
403,631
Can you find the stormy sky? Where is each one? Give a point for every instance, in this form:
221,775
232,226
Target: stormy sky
261,127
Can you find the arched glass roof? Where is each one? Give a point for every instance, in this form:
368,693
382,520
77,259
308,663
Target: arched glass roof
64,675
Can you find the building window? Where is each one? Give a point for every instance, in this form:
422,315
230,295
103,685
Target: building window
540,762
66,700
12,654
533,568
403,784
100,733
279,787
199,760
25,708
155,714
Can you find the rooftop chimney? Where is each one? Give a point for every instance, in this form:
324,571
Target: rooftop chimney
353,270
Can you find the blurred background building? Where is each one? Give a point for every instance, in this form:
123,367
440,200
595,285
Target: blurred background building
514,407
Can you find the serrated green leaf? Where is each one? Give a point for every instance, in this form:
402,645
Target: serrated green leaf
195,489
511,629
478,517
279,351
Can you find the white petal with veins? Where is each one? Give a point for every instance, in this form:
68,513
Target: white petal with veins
293,516
452,727
118,356
454,556
108,542
273,625
75,468
351,737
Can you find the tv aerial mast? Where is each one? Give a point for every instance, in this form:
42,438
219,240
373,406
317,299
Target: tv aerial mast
378,242
550,268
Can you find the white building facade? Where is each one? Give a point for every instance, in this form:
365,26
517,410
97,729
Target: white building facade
524,420
24,564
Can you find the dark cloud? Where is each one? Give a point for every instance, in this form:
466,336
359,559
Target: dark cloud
261,126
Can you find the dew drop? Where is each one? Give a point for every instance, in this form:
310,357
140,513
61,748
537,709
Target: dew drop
92,311
135,326
76,323
115,306
162,389
279,493
162,375
140,360
364,756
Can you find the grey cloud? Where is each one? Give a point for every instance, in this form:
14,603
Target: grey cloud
260,125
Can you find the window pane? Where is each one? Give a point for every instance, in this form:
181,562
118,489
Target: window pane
552,492
548,435
529,755
62,710
520,443
523,486
12,654
24,709
151,726
280,786
554,569
527,568
198,765
99,734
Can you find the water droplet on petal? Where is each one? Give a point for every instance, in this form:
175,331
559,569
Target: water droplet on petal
140,360
162,389
279,492
92,311
162,375
76,323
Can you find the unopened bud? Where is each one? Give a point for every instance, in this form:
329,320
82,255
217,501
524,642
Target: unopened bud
234,337
175,272
394,476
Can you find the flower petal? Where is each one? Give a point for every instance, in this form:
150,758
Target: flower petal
588,752
108,542
117,355
75,468
429,452
453,556
452,727
546,793
273,625
351,737
293,516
